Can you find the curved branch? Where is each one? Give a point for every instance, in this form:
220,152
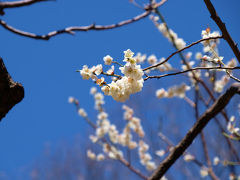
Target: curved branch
223,29
14,4
71,30
210,113
11,92
180,50
192,69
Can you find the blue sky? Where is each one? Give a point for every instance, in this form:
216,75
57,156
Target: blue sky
47,68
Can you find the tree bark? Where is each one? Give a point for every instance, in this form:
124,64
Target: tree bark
11,92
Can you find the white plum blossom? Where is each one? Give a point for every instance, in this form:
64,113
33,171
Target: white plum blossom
188,157
221,83
178,91
91,155
152,59
93,90
100,157
140,58
216,160
71,99
145,157
128,54
86,73
122,86
171,36
108,60
203,171
231,126
198,55
160,153
82,112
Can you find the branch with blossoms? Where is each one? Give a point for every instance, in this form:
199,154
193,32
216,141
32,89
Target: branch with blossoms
221,102
192,69
71,30
107,135
223,29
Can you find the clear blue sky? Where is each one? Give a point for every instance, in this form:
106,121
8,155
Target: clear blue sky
47,68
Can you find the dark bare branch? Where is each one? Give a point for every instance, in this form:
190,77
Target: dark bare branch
192,69
11,92
223,29
210,113
14,4
180,50
71,30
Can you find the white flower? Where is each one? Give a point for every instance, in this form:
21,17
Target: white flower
82,112
71,99
111,70
188,157
102,115
91,155
151,166
203,172
128,54
164,178
216,160
152,59
133,71
232,63
93,90
140,58
180,43
100,157
97,69
105,89
160,93
160,152
94,139
132,145
85,72
108,60
198,55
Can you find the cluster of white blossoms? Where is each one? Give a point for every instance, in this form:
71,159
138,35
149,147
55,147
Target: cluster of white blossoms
145,157
175,91
122,86
231,126
171,36
93,156
221,83
210,45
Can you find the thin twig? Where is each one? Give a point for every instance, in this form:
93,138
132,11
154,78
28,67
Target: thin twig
188,70
180,50
71,30
204,143
223,29
210,113
15,4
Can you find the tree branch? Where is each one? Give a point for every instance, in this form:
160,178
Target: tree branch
11,92
180,50
223,29
14,4
71,30
192,69
219,104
